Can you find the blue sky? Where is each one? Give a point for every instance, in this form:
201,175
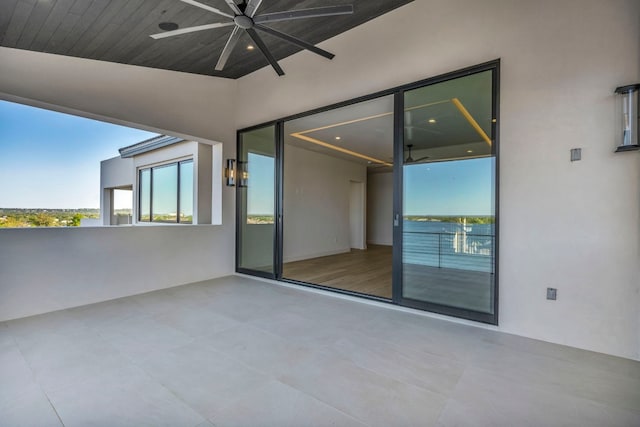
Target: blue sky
460,187
52,160
261,173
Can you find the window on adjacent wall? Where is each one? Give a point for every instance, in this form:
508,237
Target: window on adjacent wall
166,193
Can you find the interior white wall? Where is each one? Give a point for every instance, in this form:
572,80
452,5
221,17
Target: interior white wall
573,226
50,269
380,209
357,215
316,203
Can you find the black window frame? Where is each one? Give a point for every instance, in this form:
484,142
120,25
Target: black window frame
178,165
398,92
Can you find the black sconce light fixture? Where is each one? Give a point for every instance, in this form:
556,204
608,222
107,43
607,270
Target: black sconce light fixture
630,118
230,173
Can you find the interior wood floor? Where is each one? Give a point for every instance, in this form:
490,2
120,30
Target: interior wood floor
365,271
369,272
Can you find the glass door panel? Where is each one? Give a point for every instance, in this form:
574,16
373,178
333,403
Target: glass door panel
255,183
338,198
448,197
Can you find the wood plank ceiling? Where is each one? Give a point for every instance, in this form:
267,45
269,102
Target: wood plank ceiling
118,31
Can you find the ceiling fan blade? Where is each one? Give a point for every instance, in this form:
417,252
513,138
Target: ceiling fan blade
304,13
232,4
252,7
206,7
263,48
190,30
228,48
303,44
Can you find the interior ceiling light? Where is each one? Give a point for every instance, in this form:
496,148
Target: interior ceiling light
338,138
243,17
455,101
469,151
432,121
250,47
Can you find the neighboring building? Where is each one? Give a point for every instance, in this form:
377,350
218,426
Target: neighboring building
170,180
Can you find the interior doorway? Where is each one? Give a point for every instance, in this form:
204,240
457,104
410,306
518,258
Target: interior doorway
329,157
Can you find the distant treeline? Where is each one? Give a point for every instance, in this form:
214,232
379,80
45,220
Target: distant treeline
17,217
454,219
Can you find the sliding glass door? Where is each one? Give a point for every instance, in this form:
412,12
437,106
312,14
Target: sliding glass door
337,198
448,237
392,196
256,201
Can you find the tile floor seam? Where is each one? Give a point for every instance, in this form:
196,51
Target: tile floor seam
541,389
381,374
36,380
55,411
450,398
283,381
167,387
388,377
180,399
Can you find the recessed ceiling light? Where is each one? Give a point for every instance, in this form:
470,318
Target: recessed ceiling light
168,26
250,47
432,121
469,151
493,120
338,138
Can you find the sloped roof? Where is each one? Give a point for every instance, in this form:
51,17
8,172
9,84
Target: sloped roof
147,145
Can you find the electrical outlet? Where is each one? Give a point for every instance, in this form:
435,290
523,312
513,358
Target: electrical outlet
576,154
552,293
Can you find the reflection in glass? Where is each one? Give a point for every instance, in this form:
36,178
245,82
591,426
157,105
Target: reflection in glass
256,192
145,195
164,196
186,192
448,252
260,201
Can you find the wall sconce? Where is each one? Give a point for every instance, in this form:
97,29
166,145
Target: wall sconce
630,118
230,173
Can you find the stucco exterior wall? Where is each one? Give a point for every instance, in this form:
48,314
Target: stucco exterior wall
572,226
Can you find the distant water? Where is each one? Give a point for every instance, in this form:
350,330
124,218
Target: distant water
449,245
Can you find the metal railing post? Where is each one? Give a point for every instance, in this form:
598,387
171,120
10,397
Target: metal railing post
439,250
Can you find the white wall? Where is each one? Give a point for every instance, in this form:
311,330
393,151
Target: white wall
115,172
316,204
380,208
50,269
574,226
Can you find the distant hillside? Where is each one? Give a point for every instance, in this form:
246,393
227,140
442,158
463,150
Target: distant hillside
44,217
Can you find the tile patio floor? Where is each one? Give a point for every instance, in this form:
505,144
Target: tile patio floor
240,352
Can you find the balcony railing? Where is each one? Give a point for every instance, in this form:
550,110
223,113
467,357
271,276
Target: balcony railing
459,250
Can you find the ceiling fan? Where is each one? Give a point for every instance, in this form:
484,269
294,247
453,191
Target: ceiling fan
244,18
410,159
